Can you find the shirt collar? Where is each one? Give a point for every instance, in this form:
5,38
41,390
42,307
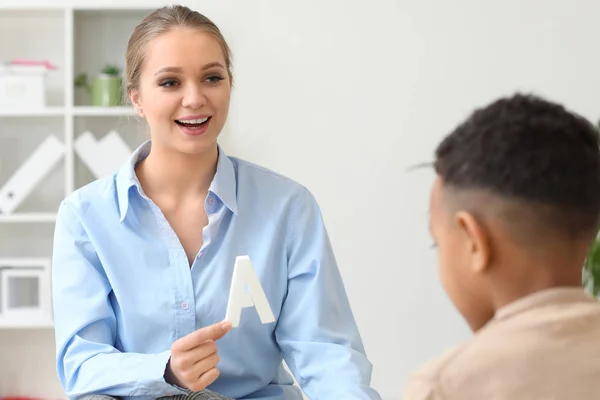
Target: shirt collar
224,184
552,296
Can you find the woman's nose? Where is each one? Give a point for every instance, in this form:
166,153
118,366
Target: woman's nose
194,98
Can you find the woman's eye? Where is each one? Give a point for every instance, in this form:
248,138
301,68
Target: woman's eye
214,79
168,83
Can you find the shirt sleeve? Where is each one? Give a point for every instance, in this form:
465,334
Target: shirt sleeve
316,330
424,383
85,324
419,388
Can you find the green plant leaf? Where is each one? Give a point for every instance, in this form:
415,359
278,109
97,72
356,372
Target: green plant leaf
81,81
591,272
111,70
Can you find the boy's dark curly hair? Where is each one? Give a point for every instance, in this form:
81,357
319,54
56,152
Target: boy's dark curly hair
530,150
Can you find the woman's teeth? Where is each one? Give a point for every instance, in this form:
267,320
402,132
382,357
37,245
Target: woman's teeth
193,121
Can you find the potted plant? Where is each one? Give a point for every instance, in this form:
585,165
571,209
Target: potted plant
105,90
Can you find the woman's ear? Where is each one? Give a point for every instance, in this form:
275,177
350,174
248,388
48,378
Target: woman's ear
134,96
476,239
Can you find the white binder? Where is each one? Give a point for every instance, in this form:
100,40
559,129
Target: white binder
103,157
44,158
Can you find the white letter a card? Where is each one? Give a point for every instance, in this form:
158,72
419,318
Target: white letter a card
246,291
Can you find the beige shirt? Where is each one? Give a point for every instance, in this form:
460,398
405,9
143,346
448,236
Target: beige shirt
542,347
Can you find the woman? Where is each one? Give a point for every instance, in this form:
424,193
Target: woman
143,260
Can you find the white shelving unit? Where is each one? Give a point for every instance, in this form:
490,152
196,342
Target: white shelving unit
28,218
47,112
103,111
76,40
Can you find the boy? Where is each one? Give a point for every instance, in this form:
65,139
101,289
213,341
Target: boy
513,210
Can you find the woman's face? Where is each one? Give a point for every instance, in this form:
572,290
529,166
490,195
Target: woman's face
184,90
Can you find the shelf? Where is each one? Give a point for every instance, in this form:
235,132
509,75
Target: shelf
77,111
28,218
46,112
7,323
113,11
103,111
31,6
100,38
37,35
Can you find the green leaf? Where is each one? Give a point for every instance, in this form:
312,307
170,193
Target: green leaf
81,81
111,70
591,269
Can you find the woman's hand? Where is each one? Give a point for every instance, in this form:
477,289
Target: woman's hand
194,358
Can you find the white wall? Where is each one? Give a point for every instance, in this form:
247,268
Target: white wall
345,95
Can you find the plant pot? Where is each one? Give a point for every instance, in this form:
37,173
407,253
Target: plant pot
106,91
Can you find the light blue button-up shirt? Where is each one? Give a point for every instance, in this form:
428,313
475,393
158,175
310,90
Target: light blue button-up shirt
123,290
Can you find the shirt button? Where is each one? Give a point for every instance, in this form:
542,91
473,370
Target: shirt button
185,305
211,201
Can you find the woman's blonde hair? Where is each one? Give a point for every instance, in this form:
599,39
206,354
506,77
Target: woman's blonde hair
157,23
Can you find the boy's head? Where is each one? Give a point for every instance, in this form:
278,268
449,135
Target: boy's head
515,204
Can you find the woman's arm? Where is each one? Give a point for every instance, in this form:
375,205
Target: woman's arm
85,324
316,329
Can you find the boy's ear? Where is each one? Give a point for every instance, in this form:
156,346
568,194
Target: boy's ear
476,239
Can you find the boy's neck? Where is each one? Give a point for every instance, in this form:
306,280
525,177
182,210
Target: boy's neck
511,295
524,271
527,279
